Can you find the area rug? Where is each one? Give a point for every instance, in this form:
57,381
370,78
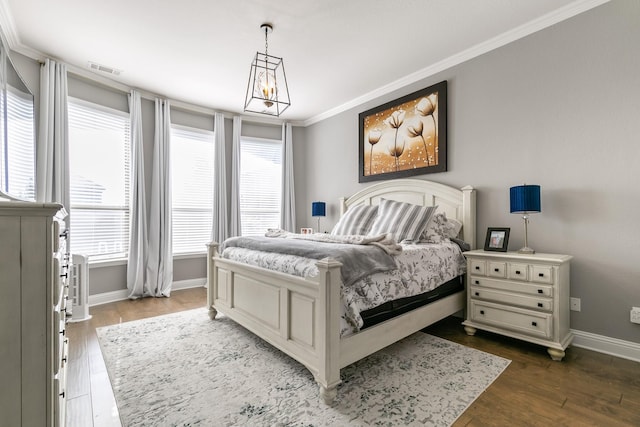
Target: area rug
183,369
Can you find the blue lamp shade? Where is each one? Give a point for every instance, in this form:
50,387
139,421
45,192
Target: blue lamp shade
525,199
318,209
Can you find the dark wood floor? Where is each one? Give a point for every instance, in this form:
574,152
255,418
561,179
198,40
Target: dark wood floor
585,389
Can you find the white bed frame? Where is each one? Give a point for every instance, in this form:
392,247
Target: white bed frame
301,316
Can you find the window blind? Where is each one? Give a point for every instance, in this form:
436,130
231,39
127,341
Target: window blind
17,160
192,163
99,163
260,185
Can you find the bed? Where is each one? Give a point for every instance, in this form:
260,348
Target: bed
301,315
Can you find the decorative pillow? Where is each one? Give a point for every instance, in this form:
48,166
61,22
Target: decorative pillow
357,220
404,220
454,230
440,228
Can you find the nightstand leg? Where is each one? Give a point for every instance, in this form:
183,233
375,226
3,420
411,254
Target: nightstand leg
470,330
555,354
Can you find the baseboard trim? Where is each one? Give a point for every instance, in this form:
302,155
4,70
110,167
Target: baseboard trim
607,345
123,294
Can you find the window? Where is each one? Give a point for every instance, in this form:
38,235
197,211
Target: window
99,164
260,185
17,160
192,163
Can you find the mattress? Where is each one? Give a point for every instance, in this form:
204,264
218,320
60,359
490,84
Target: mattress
421,269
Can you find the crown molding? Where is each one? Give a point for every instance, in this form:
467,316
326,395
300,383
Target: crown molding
517,33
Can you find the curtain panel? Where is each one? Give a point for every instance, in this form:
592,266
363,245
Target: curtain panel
138,245
159,272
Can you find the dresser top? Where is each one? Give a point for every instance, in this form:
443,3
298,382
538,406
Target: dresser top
29,208
537,257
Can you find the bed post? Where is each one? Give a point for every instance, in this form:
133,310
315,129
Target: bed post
469,215
212,251
328,327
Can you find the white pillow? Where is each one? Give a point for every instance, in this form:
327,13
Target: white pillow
440,229
357,220
404,221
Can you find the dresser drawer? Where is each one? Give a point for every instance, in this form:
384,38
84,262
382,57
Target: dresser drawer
497,269
542,274
477,267
525,288
56,236
60,398
520,320
518,271
57,288
537,303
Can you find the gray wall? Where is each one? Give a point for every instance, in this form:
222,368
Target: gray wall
559,108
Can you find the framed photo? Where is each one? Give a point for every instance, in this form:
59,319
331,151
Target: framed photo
404,137
306,231
497,239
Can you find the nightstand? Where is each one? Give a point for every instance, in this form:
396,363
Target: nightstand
523,296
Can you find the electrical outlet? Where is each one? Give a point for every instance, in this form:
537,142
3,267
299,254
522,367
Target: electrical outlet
635,314
575,304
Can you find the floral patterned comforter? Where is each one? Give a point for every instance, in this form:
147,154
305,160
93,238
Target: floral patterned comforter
421,268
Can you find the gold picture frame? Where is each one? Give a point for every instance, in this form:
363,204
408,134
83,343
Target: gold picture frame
404,137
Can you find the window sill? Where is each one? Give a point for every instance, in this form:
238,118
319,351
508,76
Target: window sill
111,262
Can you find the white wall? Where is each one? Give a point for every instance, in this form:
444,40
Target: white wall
559,108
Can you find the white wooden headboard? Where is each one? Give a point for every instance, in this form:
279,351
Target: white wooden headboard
456,203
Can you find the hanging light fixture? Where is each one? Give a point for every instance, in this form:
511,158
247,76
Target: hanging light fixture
267,91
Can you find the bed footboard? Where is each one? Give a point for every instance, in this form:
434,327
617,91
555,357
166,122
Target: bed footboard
299,316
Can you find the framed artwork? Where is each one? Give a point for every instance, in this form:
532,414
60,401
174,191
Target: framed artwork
404,137
497,239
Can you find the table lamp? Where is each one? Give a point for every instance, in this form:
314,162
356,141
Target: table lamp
525,200
318,209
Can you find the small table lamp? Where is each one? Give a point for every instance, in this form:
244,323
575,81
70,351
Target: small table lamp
318,209
525,199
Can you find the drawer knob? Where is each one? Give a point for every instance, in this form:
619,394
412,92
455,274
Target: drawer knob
477,282
477,267
477,294
517,271
540,304
534,324
62,395
540,291
540,274
496,270
481,311
65,275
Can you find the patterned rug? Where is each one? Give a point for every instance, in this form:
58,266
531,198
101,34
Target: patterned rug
183,369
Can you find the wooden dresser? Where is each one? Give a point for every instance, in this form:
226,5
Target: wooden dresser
520,296
33,297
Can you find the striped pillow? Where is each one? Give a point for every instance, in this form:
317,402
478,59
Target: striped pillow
404,220
357,220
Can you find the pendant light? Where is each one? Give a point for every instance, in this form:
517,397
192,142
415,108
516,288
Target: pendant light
267,91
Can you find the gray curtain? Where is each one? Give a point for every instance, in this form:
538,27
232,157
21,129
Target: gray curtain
160,259
288,208
138,245
236,226
52,150
220,230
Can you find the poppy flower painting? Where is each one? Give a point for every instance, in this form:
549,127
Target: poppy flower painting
405,137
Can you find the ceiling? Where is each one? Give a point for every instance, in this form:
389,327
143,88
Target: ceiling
337,54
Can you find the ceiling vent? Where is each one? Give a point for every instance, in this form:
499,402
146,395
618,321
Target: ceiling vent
104,69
